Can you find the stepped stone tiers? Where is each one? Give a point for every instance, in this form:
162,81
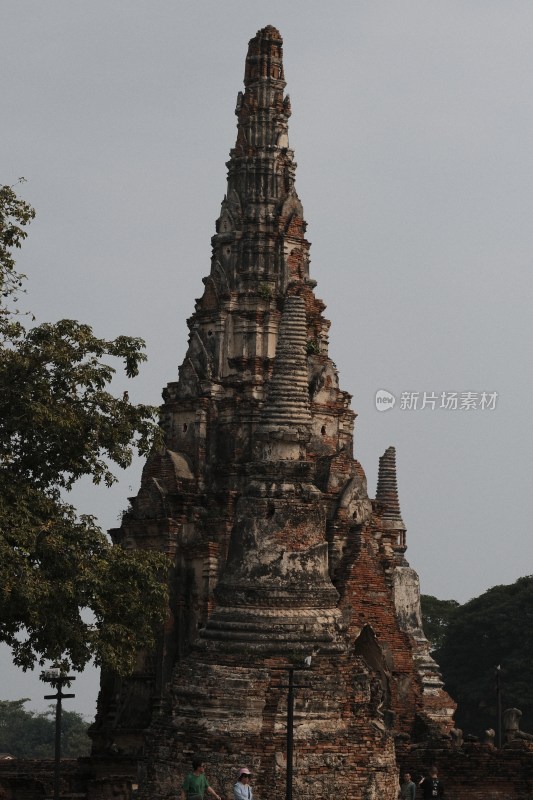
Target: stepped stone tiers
387,497
277,552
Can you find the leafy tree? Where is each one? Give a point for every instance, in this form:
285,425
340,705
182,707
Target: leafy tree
15,214
59,422
436,615
493,629
27,734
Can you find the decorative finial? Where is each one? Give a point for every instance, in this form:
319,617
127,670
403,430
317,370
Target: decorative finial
265,56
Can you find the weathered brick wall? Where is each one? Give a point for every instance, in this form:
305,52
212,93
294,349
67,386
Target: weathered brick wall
31,779
367,600
475,771
235,715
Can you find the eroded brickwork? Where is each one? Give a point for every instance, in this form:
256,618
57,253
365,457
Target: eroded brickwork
474,771
277,551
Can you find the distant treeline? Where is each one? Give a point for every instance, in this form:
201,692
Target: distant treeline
469,641
28,734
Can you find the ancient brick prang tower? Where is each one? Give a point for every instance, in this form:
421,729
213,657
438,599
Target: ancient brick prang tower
277,552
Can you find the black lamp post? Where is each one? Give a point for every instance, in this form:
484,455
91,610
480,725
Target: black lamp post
290,723
57,680
498,706
290,734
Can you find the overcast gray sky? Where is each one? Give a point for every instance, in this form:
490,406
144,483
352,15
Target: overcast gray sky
413,128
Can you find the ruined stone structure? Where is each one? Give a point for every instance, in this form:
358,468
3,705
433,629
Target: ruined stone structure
277,552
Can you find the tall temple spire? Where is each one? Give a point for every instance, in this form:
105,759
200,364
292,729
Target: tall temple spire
264,85
276,551
260,232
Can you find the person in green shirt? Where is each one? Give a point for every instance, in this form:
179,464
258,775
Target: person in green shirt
195,785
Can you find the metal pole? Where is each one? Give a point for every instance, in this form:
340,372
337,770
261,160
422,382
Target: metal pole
290,733
498,707
58,681
57,765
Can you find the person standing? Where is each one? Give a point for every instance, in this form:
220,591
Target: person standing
242,789
196,785
407,788
432,786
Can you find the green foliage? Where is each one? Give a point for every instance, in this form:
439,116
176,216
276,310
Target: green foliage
27,734
15,214
490,630
59,422
312,347
436,615
265,291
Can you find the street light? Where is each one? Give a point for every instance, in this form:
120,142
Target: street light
290,733
57,679
290,721
498,706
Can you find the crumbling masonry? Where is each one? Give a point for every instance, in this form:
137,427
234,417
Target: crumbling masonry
277,551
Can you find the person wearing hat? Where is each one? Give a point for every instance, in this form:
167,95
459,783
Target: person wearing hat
242,789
